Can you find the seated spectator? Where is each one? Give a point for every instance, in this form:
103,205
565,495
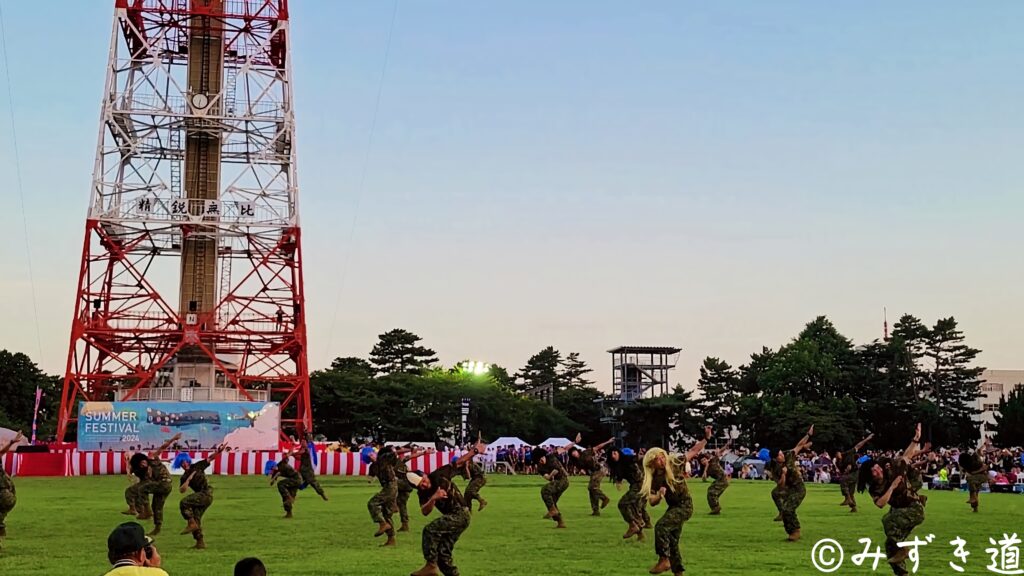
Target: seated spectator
250,567
132,553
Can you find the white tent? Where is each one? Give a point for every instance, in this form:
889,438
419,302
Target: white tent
506,441
559,442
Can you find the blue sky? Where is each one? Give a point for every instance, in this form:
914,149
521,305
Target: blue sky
591,174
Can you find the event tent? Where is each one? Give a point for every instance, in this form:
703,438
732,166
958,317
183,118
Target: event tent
559,442
506,441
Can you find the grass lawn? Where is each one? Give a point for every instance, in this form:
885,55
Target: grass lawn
60,527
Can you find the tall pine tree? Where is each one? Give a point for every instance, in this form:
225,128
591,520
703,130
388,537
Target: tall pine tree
541,370
952,386
719,388
398,352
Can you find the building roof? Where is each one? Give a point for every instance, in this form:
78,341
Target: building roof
645,350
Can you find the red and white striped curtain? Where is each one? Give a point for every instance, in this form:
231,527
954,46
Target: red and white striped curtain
9,462
247,463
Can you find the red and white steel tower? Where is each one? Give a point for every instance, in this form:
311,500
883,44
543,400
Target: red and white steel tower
190,286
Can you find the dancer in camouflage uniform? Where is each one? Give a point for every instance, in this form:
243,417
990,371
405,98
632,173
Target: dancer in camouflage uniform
975,469
790,484
891,483
712,464
846,464
155,481
8,495
194,505
474,472
632,506
437,491
664,479
550,467
305,459
405,489
288,481
587,462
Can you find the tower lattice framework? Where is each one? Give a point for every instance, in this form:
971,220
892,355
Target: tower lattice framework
190,285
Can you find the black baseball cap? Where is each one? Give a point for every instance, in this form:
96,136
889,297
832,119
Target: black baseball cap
127,538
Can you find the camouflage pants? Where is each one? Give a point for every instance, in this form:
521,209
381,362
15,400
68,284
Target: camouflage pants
134,497
667,532
898,523
403,504
289,489
309,477
383,503
629,505
160,491
439,538
7,502
473,490
849,487
974,484
789,501
777,498
553,490
594,488
715,492
193,507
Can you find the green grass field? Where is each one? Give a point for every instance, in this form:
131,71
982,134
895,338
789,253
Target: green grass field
60,527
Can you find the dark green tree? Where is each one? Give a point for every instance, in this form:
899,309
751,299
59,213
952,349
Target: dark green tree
885,395
19,377
574,372
666,420
398,351
720,395
1009,426
541,370
952,386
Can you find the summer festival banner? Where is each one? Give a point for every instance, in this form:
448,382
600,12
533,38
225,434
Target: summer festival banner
132,426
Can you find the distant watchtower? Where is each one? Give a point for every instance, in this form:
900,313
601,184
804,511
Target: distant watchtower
641,371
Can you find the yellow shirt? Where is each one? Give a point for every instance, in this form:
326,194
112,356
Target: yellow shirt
136,571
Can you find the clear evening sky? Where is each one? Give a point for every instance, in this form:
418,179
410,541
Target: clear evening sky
587,174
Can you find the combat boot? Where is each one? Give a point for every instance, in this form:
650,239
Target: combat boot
482,504
604,502
429,569
663,565
391,539
192,526
155,531
200,544
404,528
794,536
382,529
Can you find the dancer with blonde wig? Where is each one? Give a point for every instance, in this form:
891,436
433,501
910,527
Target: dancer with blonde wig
665,479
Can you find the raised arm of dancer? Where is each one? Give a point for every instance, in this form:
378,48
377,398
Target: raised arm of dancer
699,446
863,442
603,445
804,442
914,446
165,445
723,449
12,442
479,448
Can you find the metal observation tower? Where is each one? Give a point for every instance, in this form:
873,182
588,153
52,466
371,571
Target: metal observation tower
190,284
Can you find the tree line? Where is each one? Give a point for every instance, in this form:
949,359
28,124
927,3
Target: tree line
399,391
